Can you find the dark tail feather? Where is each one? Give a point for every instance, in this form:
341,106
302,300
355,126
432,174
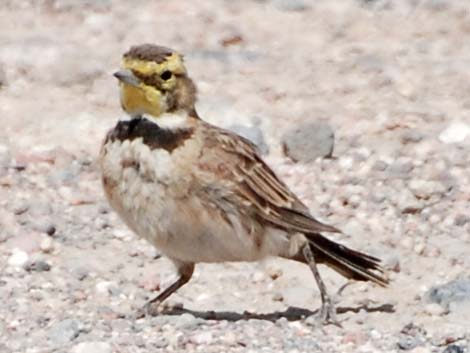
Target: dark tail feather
350,263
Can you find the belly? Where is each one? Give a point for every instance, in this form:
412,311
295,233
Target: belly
162,210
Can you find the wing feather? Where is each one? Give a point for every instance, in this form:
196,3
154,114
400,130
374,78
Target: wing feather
259,186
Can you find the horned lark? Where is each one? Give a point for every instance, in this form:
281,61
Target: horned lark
199,193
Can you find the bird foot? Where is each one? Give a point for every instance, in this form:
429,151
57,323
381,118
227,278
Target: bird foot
327,315
149,309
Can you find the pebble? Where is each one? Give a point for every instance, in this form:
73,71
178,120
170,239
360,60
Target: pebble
412,136
434,309
252,133
456,291
186,321
18,258
455,133
64,331
44,226
202,338
461,219
307,142
453,348
291,5
104,287
37,266
46,245
408,203
20,208
93,347
424,189
411,336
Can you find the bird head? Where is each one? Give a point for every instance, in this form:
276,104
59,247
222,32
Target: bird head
153,80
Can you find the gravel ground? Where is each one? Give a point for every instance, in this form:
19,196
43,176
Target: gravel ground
390,78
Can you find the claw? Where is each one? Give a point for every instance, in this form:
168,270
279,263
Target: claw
328,314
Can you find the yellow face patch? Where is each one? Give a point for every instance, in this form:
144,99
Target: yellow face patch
141,100
148,98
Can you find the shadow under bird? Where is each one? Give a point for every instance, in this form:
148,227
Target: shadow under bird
200,193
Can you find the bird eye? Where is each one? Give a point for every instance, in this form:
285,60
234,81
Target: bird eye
165,75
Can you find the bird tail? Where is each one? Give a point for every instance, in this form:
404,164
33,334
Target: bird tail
350,263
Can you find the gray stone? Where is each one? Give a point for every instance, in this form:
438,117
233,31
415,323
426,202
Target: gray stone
408,203
453,348
291,5
37,266
380,166
412,136
307,142
411,336
461,219
64,331
44,226
252,133
453,292
186,321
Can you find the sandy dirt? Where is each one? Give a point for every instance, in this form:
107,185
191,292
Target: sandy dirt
392,78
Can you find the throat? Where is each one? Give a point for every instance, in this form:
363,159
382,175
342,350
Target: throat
171,121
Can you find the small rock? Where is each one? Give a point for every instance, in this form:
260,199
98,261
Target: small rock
105,287
20,208
64,331
93,347
44,226
291,5
46,245
453,348
345,162
203,338
411,336
18,258
37,266
401,169
461,219
407,202
424,189
277,297
307,142
456,291
80,273
252,133
380,166
455,133
434,309
412,136
186,321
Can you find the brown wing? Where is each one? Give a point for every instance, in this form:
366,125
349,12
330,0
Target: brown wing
259,186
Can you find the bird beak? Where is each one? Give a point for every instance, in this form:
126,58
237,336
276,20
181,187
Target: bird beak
127,77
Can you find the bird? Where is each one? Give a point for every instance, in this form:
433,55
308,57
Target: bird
203,194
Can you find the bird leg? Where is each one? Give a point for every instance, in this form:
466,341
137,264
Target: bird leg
151,307
328,310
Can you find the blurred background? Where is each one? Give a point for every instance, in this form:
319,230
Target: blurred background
382,86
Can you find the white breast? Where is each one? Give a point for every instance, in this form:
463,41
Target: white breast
147,189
